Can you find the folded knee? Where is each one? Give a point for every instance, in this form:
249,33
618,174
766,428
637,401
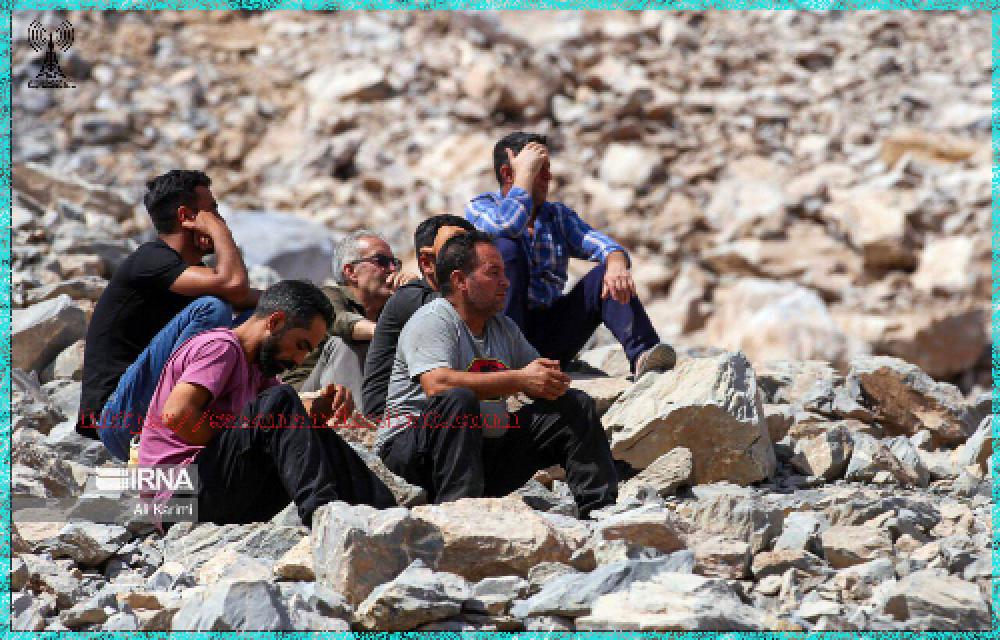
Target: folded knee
213,311
464,399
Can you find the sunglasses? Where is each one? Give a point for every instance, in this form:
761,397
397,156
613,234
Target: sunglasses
381,261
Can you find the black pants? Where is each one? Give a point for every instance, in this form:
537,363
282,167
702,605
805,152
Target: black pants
452,460
250,474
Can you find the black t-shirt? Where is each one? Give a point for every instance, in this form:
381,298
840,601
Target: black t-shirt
378,363
136,304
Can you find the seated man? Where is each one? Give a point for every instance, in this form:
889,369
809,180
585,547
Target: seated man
160,296
447,428
537,238
367,273
257,445
430,235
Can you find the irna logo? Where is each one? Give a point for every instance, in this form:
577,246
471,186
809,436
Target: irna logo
176,479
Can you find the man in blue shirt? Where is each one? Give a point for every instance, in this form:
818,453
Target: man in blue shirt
537,238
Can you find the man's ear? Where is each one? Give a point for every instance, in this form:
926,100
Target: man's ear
458,280
425,261
276,322
185,212
506,174
348,273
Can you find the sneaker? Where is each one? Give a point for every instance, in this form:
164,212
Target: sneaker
659,358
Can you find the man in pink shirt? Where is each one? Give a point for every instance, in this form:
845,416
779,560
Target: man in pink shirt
256,443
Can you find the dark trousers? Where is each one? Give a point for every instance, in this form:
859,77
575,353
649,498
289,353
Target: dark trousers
250,474
560,330
446,454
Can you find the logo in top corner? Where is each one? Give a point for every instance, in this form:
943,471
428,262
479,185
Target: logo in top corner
51,75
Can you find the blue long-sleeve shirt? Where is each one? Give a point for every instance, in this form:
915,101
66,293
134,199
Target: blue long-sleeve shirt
559,234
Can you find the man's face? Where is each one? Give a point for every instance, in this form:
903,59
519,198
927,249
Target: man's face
285,348
486,287
370,272
428,255
204,201
540,188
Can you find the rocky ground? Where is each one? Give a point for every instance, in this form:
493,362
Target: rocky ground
807,199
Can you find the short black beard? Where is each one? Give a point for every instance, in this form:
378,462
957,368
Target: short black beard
268,360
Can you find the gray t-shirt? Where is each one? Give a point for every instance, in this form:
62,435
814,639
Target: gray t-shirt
436,337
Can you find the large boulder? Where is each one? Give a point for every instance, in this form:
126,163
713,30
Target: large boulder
932,600
234,606
845,546
825,455
494,536
708,405
649,526
665,476
416,596
771,320
907,400
943,339
357,548
42,330
735,513
572,594
293,246
673,602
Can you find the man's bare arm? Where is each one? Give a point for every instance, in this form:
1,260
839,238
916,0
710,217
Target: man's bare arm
363,330
228,279
485,385
184,413
540,379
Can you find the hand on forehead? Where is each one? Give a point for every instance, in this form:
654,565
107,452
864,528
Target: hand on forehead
445,234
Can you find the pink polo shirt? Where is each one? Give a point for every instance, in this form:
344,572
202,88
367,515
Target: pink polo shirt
216,361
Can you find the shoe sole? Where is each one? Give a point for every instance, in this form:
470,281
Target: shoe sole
660,358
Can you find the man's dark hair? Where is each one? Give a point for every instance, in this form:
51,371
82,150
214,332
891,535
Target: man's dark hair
515,142
427,230
167,192
300,300
458,253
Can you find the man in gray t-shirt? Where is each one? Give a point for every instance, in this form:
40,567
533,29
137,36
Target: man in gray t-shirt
446,425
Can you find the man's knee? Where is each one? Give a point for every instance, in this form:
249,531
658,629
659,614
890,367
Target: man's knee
463,400
213,311
578,402
279,399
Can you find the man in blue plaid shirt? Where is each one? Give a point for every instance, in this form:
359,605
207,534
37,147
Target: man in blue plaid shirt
537,238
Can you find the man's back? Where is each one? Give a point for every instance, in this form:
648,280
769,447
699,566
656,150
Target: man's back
136,304
378,363
215,361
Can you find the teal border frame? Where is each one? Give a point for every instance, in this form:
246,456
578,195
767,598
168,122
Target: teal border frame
6,122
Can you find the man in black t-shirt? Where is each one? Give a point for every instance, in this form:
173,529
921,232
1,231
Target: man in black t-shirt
160,296
430,236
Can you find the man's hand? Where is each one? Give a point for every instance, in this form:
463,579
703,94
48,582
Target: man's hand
527,164
543,379
618,282
205,223
399,278
333,406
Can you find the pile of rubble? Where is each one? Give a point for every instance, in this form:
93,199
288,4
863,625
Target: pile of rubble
866,505
806,197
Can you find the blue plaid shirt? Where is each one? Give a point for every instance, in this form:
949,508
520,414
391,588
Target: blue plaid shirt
559,235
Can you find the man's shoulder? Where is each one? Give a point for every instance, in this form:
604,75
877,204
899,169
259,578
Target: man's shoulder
212,342
435,314
409,297
155,249
339,295
436,308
